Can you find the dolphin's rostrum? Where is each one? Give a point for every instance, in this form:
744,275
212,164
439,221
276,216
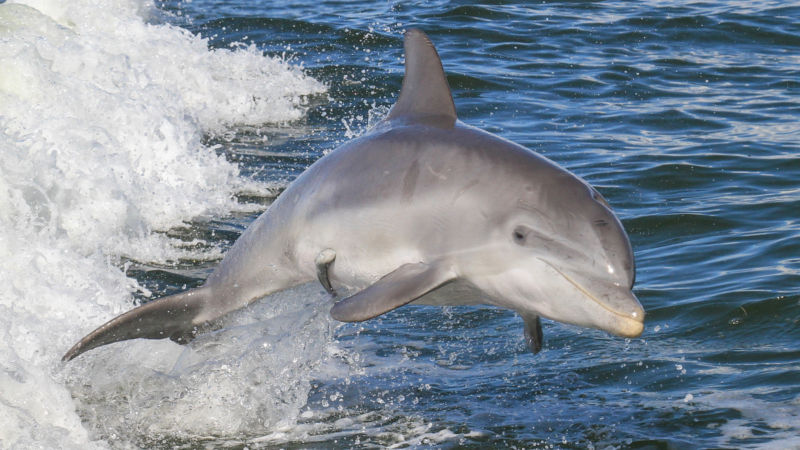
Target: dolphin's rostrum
422,209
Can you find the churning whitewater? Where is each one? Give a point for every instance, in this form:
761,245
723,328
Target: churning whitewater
103,109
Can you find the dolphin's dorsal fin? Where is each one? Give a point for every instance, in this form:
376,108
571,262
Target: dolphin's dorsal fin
425,91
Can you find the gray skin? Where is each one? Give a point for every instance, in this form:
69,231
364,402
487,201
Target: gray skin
422,209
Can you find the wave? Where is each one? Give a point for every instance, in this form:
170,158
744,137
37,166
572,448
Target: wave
103,113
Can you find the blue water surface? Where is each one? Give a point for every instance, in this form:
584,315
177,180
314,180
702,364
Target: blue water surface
684,115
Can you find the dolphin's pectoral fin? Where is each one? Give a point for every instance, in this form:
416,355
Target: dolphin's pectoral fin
533,333
323,262
168,317
404,285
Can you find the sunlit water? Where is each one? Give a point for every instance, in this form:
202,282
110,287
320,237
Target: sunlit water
138,141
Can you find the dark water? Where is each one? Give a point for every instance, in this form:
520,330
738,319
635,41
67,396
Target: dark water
686,116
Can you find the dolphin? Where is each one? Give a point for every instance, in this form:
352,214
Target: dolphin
421,209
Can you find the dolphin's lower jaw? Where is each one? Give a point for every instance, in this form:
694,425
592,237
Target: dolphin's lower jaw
627,327
625,316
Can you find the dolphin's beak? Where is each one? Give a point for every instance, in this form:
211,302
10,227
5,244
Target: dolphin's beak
627,315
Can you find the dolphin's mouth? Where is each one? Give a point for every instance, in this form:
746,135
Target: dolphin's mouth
628,313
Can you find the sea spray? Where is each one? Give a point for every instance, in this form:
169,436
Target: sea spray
102,117
251,377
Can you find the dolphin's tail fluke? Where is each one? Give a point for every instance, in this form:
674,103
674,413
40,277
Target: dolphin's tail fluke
168,317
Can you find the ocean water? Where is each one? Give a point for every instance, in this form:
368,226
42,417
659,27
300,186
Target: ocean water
138,140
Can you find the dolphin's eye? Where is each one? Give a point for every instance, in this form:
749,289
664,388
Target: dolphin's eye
520,234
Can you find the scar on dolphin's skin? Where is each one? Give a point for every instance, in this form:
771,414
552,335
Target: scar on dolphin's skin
422,209
323,262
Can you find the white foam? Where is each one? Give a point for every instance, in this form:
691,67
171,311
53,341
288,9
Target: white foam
754,415
783,419
251,377
388,429
101,123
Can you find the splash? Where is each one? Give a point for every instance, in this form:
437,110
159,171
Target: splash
251,377
102,118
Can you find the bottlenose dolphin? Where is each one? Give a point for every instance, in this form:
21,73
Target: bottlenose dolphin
421,209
